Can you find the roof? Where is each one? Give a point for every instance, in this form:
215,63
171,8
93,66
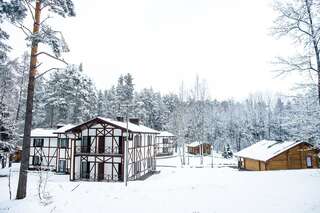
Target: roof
266,149
196,143
134,128
40,132
64,129
165,134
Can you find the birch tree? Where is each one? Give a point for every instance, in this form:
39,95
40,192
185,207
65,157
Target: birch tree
300,21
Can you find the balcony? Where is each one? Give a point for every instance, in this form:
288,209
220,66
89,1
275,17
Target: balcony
108,150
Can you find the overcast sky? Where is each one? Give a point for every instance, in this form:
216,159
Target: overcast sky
164,42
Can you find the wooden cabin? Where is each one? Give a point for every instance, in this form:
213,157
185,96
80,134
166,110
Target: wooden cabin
278,155
165,143
50,150
98,148
198,147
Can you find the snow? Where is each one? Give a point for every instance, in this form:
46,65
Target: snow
165,134
265,149
195,144
185,190
40,132
63,129
131,127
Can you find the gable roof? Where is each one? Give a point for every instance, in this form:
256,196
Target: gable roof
165,134
265,150
196,143
134,128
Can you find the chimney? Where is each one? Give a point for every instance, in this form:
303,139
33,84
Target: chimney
59,125
134,121
120,119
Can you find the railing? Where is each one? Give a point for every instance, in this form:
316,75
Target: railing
106,150
88,177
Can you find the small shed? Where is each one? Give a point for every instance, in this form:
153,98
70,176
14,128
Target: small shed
197,147
278,155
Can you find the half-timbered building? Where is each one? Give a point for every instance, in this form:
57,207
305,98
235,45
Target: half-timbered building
98,150
50,150
165,143
278,155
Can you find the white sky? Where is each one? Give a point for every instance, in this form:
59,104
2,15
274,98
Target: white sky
164,42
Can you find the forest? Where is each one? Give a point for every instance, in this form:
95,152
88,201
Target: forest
69,96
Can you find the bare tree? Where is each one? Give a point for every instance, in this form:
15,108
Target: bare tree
300,20
41,33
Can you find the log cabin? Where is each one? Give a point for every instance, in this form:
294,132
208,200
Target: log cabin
165,143
98,148
50,150
278,155
197,147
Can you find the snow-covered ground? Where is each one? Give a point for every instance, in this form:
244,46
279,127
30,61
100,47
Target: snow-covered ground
176,189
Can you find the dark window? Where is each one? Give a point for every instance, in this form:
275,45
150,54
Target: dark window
85,170
137,141
137,167
101,144
62,166
36,160
85,144
63,142
38,142
165,141
149,140
149,163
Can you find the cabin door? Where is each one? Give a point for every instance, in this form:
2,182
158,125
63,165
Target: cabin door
101,146
121,145
100,171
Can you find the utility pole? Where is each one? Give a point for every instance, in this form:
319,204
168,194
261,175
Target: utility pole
126,150
23,175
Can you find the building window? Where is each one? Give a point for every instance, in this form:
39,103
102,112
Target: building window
85,144
137,141
62,166
63,143
165,141
149,163
36,160
149,140
85,170
137,167
309,162
38,142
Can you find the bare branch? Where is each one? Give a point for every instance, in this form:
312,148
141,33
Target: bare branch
51,56
49,70
29,5
24,29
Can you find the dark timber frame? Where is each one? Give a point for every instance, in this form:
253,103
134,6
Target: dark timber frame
98,152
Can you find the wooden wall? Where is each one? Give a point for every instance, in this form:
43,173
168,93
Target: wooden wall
294,158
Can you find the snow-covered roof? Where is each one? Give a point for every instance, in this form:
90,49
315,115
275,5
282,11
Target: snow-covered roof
123,125
40,132
165,134
265,149
64,129
196,143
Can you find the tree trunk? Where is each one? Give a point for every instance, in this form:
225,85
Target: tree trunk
23,175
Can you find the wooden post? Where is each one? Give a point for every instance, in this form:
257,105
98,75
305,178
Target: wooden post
22,185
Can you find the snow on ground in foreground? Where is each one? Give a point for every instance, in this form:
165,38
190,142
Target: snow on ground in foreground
194,190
